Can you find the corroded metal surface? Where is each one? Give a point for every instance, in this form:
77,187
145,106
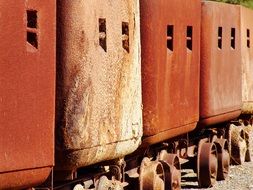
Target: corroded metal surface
24,178
170,38
172,170
247,59
220,92
223,158
105,183
27,91
238,144
166,134
207,164
98,81
152,175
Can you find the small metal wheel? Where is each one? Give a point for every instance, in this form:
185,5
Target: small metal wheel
223,158
238,145
78,187
172,170
151,175
105,184
248,130
207,164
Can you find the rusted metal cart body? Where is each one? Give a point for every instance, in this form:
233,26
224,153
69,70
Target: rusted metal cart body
27,92
98,82
170,39
220,89
247,59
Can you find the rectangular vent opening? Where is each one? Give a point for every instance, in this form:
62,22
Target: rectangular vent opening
233,38
125,36
32,39
248,38
170,37
189,38
102,33
31,18
31,30
220,37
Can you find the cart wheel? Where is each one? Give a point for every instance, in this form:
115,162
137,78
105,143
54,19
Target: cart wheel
172,170
104,184
248,130
238,145
151,175
223,158
78,187
207,164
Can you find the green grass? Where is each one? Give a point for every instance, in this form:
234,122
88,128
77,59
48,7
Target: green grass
247,3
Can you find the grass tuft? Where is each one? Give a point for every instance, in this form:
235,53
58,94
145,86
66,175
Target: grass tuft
246,3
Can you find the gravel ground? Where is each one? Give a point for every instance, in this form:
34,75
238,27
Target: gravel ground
240,178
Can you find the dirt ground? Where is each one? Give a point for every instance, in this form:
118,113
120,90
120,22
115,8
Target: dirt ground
240,178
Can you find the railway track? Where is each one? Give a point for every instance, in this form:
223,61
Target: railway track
240,178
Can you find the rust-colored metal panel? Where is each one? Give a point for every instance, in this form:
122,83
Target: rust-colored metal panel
170,39
27,90
220,92
247,59
23,179
98,81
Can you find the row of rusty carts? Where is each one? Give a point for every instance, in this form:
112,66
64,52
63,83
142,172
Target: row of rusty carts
123,94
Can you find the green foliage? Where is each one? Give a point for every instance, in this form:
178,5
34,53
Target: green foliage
247,3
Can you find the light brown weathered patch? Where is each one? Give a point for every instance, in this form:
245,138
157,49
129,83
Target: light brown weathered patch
100,86
247,59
